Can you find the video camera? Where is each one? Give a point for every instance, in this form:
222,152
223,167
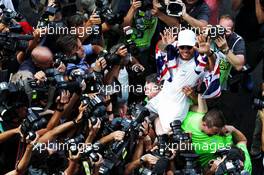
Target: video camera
12,42
32,123
9,18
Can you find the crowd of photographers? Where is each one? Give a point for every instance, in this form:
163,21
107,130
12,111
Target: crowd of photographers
126,87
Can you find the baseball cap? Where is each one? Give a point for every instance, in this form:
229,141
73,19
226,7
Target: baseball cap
186,38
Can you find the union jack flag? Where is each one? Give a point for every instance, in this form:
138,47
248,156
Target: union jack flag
167,64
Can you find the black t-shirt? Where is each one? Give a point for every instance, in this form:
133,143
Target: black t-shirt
237,44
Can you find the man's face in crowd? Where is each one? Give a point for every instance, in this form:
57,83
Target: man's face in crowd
80,49
210,130
228,25
186,52
151,90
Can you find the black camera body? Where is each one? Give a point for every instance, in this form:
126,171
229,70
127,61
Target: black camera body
258,103
12,42
110,57
9,15
56,79
216,31
231,163
106,14
60,57
32,123
73,144
178,135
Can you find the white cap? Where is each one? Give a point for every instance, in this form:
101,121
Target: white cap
186,38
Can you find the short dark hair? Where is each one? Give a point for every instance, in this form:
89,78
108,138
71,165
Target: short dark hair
75,21
67,43
214,118
227,16
152,78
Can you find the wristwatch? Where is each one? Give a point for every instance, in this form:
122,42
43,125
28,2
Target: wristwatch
226,51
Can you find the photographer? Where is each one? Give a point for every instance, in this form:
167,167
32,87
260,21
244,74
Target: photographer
143,26
194,13
41,59
232,46
141,155
241,144
71,46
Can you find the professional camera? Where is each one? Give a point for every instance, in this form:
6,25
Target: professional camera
60,57
216,31
56,79
178,135
130,44
110,57
12,42
73,144
90,152
9,15
231,164
95,108
146,171
106,14
190,167
146,5
118,152
258,104
32,123
174,8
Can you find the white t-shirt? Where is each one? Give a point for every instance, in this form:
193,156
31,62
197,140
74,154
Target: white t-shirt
171,103
123,80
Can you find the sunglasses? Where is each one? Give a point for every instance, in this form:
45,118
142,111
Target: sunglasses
187,47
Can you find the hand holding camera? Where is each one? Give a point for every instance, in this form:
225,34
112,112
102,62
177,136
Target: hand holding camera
136,4
100,64
150,159
118,135
122,51
95,19
63,99
222,44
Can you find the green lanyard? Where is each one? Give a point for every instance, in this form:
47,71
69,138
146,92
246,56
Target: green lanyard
86,168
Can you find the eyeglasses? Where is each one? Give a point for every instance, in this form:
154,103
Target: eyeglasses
187,47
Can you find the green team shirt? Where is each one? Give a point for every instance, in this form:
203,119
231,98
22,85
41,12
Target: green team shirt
247,162
150,25
205,146
225,67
